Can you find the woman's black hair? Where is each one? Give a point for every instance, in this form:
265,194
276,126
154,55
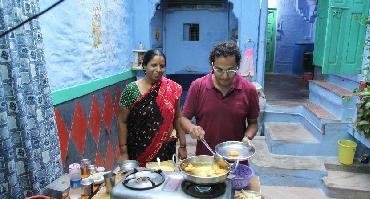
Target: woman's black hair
150,54
225,49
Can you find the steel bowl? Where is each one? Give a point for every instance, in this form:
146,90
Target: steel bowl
245,151
127,165
205,159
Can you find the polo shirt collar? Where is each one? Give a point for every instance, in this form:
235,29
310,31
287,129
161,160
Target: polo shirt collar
237,84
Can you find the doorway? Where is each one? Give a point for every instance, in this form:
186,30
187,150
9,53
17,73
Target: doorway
270,45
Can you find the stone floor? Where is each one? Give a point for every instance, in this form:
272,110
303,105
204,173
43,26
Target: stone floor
279,87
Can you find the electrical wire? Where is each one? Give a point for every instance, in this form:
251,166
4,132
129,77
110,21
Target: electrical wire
31,18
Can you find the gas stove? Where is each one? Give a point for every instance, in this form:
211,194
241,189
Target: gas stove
149,184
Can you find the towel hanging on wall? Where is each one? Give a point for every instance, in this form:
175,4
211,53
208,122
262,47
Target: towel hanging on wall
247,66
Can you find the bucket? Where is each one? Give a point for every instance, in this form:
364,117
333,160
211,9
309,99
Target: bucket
307,76
346,151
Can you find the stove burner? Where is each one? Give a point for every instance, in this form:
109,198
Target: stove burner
143,179
203,191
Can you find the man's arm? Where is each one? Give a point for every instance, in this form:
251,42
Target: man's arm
251,130
254,111
195,131
189,111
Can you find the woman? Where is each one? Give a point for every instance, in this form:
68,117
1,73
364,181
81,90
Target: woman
149,110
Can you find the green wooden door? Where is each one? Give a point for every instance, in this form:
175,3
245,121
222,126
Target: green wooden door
354,37
345,36
270,48
321,24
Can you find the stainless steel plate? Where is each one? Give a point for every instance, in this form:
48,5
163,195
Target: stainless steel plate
245,151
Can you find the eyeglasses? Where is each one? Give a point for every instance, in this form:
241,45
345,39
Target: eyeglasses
228,71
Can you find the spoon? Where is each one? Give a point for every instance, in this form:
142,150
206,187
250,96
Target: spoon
208,147
219,159
159,163
232,173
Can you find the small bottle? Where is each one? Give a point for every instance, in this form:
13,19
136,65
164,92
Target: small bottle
141,46
85,163
75,175
100,169
92,169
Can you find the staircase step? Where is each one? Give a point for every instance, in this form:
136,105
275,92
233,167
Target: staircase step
348,82
355,167
289,132
334,99
319,112
278,192
287,170
333,88
288,138
318,122
344,184
264,158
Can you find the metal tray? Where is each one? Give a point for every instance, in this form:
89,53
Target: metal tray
245,151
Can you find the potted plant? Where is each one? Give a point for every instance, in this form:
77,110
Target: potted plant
363,93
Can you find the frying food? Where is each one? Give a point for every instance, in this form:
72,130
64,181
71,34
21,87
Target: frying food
233,153
205,169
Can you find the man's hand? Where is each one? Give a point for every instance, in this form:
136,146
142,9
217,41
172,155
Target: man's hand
182,153
197,132
247,141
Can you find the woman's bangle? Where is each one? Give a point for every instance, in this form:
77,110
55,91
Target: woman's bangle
122,145
183,146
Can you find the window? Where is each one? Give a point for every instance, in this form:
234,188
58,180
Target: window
191,32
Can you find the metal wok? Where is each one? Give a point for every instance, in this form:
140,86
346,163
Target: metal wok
205,159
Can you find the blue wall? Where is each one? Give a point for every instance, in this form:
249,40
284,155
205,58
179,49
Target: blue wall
252,16
156,30
192,56
293,25
72,52
142,11
251,25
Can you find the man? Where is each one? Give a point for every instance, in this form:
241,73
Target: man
221,102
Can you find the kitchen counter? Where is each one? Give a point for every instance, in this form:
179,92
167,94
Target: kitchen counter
254,185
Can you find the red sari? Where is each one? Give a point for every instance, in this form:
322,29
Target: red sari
150,123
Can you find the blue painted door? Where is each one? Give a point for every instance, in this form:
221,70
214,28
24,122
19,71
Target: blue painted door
184,56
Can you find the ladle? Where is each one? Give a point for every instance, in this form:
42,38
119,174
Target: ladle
219,159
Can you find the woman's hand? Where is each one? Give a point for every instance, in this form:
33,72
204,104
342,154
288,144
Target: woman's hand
197,132
182,153
123,153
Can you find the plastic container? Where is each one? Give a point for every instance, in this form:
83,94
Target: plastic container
307,76
346,151
38,197
87,186
243,175
75,175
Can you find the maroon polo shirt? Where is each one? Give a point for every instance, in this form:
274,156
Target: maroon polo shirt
223,118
